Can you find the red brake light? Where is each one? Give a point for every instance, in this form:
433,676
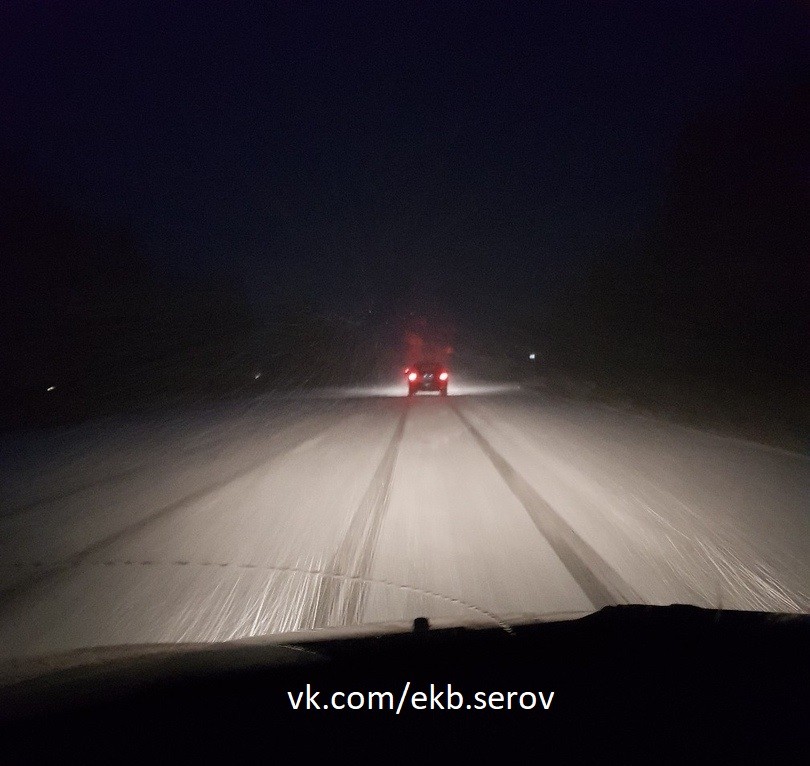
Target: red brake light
443,376
412,376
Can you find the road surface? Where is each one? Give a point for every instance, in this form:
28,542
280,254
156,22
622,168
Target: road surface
348,507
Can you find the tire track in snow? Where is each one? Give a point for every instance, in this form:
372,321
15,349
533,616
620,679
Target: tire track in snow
598,580
341,601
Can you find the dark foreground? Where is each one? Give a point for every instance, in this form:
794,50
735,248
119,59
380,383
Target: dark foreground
651,682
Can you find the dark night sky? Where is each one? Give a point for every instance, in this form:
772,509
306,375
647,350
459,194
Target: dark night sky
357,154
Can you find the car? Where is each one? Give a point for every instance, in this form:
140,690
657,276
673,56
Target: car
427,376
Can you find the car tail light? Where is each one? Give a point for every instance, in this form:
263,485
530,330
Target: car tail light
411,376
443,376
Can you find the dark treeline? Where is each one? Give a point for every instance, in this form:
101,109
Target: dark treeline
711,298
707,302
84,310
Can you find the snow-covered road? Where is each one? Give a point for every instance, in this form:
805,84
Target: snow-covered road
338,508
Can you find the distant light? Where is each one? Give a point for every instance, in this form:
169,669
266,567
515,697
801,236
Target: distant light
532,356
51,388
257,376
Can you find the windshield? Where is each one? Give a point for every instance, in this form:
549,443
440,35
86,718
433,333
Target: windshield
230,235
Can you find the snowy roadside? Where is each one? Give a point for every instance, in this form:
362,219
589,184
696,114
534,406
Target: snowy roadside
747,420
